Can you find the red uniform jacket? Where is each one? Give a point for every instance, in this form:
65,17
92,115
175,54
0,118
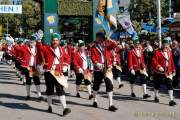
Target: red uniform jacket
96,54
17,52
78,61
40,54
159,60
134,62
26,55
117,55
49,56
70,50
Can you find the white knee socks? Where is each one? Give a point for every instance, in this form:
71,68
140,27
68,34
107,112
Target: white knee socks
89,89
49,100
156,92
24,78
119,80
144,89
63,101
170,95
132,88
110,95
77,88
95,96
38,90
28,89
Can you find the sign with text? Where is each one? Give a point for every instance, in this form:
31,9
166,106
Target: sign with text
11,9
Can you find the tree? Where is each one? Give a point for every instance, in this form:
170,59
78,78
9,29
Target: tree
29,20
146,9
31,17
6,2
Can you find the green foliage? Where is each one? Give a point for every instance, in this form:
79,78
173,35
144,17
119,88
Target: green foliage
137,26
148,37
75,8
146,9
29,20
5,2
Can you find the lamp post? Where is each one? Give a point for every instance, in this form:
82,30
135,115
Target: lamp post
170,9
159,22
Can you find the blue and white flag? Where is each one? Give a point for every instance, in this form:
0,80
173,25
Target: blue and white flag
126,23
106,15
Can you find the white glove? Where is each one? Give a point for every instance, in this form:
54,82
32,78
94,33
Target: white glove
114,63
81,70
161,69
174,74
40,69
65,68
100,66
133,72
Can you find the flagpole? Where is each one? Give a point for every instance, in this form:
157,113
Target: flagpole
159,22
170,9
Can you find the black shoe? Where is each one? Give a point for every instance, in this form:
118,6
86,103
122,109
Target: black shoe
121,85
40,99
95,104
90,97
66,111
172,103
133,95
146,96
24,83
28,98
156,99
112,108
78,95
49,109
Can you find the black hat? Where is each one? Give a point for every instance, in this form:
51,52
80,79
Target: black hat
100,35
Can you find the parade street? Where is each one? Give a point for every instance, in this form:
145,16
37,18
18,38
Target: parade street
13,105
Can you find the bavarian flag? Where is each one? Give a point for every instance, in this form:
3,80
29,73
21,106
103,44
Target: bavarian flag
106,15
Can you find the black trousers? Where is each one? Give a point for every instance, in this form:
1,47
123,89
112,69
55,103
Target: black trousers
17,64
132,78
98,79
158,80
116,72
29,79
51,82
65,73
80,78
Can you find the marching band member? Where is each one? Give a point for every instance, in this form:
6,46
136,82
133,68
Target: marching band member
81,67
29,66
137,68
163,68
101,55
117,65
68,52
54,60
17,56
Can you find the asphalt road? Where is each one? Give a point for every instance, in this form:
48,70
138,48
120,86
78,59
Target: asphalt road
13,105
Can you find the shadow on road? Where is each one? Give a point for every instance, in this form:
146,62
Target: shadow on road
21,106
6,71
121,97
85,105
12,83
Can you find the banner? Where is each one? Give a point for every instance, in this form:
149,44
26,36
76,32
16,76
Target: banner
106,15
11,9
126,23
